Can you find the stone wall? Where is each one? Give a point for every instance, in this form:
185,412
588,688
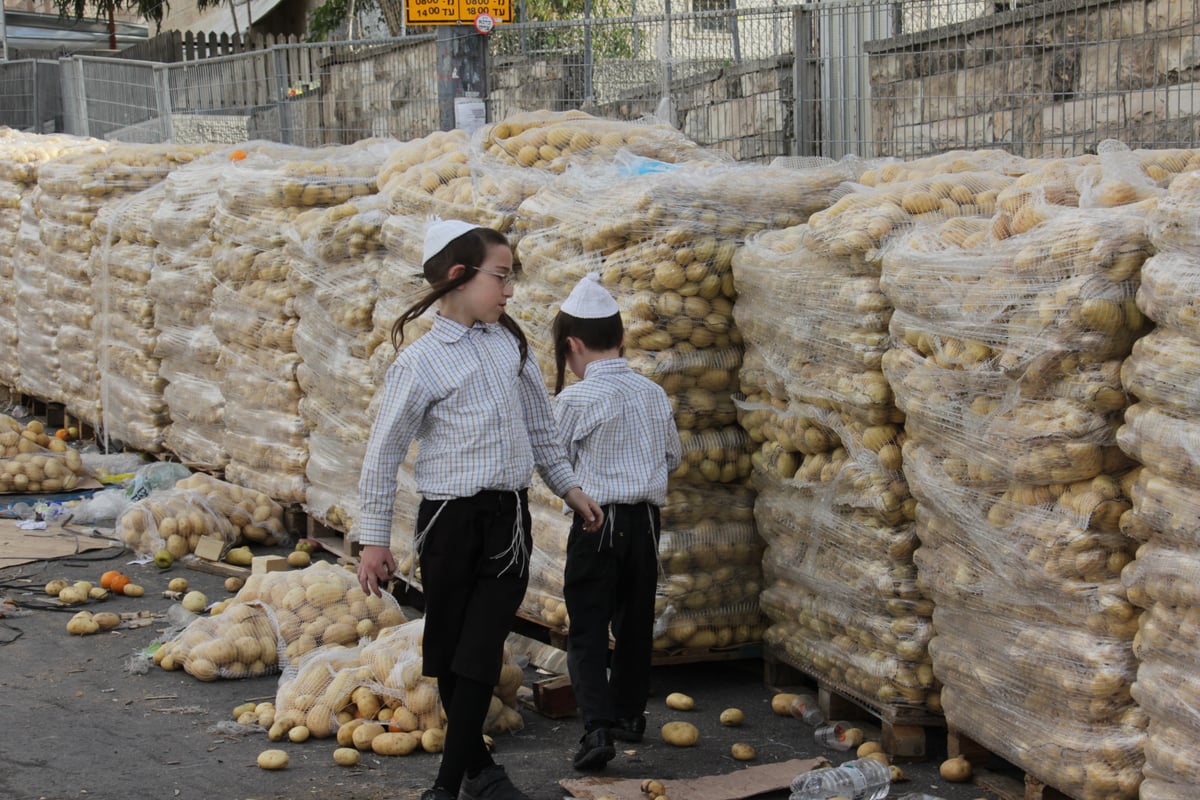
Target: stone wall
1046,80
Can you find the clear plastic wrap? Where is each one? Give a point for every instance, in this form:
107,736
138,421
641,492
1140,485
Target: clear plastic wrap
1169,292
37,359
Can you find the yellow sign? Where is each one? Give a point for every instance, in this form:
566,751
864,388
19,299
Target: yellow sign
455,12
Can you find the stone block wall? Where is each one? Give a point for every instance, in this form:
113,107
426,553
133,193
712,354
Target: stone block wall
1048,79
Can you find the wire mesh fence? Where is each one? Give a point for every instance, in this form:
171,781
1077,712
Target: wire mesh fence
836,77
30,95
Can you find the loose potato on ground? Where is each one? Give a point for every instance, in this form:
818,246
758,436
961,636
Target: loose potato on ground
273,759
680,701
732,717
680,734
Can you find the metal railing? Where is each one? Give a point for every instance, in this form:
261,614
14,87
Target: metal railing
866,77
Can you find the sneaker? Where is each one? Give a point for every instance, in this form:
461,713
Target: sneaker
595,750
629,729
491,783
437,793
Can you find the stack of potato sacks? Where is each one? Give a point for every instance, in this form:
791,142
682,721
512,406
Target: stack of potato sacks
254,307
181,287
662,239
74,187
20,157
1009,336
133,409
1162,432
833,504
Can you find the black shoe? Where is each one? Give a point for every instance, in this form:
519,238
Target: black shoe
491,783
629,729
595,750
437,793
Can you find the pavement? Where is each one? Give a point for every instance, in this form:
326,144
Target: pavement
91,717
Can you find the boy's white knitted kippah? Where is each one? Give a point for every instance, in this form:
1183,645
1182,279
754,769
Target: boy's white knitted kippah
441,232
590,300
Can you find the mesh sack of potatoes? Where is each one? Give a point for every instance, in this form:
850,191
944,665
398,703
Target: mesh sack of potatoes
732,624
314,689
31,461
241,642
861,221
1167,442
174,519
458,185
412,153
1164,510
255,517
320,605
1163,369
1172,221
554,140
891,171
1169,292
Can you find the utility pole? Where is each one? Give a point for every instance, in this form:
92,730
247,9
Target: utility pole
462,76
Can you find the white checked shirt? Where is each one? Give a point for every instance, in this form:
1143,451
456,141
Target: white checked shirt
456,391
619,433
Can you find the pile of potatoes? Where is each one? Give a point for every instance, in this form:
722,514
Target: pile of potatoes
32,461
254,516
173,519
375,698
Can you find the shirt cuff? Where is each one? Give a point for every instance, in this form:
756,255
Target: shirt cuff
374,535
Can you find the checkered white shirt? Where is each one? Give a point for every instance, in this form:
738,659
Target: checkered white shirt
619,433
478,426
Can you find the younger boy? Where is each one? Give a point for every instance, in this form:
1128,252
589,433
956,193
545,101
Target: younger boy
620,436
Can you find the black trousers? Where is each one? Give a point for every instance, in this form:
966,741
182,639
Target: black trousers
610,578
473,579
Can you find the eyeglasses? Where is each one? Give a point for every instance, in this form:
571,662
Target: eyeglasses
506,278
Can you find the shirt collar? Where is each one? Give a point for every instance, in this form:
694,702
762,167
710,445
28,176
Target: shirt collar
606,366
449,331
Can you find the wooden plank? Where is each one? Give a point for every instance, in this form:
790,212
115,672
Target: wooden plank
217,568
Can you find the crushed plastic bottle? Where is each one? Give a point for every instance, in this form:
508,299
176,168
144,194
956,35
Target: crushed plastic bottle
833,734
860,779
805,707
920,796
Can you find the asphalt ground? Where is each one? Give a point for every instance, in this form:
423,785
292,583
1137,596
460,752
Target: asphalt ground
90,717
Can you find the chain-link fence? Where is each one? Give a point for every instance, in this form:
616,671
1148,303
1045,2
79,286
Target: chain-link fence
866,77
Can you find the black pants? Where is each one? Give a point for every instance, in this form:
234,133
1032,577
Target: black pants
473,581
610,577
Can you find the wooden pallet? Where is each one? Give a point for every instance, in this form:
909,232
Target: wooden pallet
991,772
903,728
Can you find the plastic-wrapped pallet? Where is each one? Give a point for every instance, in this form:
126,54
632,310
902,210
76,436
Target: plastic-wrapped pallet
133,409
181,287
662,238
20,157
1162,432
74,189
254,307
1008,340
336,258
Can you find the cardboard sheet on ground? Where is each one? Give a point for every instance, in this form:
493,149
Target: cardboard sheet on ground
731,786
22,547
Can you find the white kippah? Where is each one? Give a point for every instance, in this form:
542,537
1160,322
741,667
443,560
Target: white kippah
590,300
441,232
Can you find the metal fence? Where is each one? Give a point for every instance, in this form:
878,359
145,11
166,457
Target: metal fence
836,77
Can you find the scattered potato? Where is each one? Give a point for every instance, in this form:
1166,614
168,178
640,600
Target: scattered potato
195,601
433,740
298,559
363,734
866,748
345,757
680,734
107,620
178,585
743,752
732,717
395,744
298,734
133,590
680,701
233,584
82,624
955,770
781,704
55,586
273,759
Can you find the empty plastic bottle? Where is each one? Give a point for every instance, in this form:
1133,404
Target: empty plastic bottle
805,707
833,734
860,779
